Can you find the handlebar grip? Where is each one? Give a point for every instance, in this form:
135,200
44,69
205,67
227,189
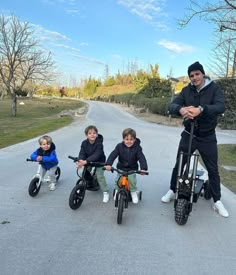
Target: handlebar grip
73,158
28,159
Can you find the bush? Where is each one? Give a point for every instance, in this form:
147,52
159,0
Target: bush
229,119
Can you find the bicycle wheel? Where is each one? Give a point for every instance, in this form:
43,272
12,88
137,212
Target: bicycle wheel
120,208
34,187
182,211
77,195
58,173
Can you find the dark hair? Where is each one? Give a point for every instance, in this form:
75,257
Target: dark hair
90,127
129,131
195,67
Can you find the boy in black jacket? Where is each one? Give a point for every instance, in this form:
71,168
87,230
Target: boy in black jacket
129,153
92,150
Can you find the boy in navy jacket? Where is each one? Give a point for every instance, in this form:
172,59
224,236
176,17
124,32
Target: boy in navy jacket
92,151
129,153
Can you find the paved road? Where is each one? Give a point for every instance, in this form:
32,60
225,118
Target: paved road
42,235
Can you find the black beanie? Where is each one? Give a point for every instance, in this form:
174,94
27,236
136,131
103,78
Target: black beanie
195,67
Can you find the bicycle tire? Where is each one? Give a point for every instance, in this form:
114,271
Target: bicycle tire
120,208
34,187
77,194
58,173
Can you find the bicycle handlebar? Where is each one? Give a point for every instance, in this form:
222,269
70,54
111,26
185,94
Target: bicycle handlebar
130,172
28,159
89,163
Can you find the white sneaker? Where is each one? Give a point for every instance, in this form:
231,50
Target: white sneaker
52,186
219,207
170,195
114,197
105,197
134,197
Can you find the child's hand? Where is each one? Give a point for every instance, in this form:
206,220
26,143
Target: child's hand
81,163
39,158
143,172
107,167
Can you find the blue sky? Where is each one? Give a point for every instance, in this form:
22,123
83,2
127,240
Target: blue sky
86,35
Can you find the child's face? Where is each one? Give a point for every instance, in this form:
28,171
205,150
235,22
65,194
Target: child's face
129,141
45,145
91,136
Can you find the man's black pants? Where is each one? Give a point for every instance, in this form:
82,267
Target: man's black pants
207,147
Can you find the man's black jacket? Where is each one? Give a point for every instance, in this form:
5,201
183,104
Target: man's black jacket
210,97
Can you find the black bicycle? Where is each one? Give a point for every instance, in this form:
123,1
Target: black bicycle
37,180
87,181
123,194
189,184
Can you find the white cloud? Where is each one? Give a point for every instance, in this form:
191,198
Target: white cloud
67,47
176,47
88,59
47,35
149,10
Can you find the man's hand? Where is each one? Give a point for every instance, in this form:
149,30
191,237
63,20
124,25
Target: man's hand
189,112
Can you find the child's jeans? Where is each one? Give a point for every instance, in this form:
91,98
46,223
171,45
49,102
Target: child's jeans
132,182
100,178
51,174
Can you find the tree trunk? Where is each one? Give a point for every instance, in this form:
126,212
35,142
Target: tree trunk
14,104
234,65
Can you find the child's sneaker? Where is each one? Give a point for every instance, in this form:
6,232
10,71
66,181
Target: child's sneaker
52,186
134,197
105,197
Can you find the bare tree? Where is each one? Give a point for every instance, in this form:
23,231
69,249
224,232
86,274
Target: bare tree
221,13
21,58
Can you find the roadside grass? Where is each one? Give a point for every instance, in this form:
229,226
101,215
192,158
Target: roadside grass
36,117
227,157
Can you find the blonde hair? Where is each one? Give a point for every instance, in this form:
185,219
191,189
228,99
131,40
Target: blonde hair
47,138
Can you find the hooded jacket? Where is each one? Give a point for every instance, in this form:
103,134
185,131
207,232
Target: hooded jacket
210,97
128,157
92,151
49,157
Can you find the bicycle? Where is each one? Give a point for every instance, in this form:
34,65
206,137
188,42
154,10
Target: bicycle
189,185
37,180
122,194
86,181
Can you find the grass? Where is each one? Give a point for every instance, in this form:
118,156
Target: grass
36,117
227,157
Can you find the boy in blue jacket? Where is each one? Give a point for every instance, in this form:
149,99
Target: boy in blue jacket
46,154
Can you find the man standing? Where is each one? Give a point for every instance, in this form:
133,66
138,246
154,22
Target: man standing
202,100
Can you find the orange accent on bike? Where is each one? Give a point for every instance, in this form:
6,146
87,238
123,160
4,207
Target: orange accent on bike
124,182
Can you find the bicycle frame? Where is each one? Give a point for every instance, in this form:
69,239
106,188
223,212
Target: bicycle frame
123,184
